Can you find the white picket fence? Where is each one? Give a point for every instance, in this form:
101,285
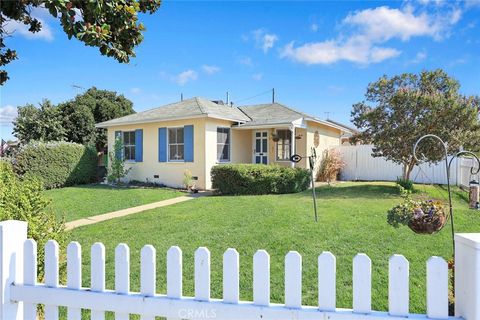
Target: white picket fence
20,292
360,165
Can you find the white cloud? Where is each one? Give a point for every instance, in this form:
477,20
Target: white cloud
7,114
363,34
246,61
210,69
314,27
183,77
257,76
15,27
420,56
135,90
264,40
332,51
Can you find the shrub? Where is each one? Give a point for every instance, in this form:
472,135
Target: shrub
330,167
405,184
116,171
24,200
241,179
57,164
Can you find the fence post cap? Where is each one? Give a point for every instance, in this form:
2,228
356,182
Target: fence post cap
469,239
9,223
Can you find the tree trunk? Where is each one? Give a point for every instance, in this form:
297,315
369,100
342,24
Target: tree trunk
407,169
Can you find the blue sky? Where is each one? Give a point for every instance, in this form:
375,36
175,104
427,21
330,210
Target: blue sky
318,55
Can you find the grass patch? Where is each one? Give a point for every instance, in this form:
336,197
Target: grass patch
90,200
352,219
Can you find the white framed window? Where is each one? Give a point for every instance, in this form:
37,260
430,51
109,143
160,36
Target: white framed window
284,145
129,145
176,146
223,144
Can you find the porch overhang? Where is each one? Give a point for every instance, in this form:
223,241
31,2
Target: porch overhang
299,123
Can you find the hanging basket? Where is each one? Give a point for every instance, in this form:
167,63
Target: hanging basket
428,217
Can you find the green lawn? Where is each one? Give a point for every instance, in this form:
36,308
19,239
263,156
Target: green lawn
89,200
352,219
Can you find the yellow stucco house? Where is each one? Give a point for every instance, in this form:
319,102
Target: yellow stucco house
197,134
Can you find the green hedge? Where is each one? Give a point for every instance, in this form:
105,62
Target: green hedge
258,179
57,164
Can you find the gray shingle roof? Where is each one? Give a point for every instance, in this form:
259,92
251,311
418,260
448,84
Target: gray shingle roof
187,108
248,116
271,113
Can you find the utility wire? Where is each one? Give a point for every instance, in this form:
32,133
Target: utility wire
257,95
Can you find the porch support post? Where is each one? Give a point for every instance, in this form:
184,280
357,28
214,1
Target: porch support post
292,143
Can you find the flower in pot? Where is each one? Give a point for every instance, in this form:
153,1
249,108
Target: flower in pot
421,216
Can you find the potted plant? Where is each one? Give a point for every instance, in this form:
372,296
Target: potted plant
421,216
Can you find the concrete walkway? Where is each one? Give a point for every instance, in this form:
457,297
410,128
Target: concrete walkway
126,212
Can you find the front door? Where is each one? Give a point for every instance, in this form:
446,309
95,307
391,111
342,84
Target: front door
260,154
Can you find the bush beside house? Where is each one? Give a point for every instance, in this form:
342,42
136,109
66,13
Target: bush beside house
57,164
243,179
24,199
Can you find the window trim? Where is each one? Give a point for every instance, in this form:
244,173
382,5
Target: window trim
229,145
134,145
289,145
168,144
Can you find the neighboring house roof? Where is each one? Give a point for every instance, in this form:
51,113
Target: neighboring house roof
352,129
190,108
246,116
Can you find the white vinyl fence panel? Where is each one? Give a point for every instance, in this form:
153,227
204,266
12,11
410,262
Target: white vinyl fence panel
360,165
20,293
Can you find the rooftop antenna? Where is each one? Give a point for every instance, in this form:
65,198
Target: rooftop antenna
77,87
181,96
328,114
228,98
273,95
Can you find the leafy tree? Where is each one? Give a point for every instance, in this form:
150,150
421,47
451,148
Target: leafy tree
44,123
74,120
399,110
111,26
116,170
78,122
103,105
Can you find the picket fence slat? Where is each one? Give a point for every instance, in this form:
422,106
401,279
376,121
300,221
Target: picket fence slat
437,288
30,276
97,275
174,272
51,275
202,274
122,274
231,280
362,284
74,275
148,271
261,278
326,281
293,280
398,288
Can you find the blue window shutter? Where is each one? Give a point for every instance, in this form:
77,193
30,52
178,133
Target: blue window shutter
118,135
138,145
188,142
162,144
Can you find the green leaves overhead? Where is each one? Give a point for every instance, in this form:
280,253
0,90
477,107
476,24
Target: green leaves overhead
112,26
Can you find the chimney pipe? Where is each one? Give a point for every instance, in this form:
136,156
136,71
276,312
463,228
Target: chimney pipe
181,96
273,95
228,98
